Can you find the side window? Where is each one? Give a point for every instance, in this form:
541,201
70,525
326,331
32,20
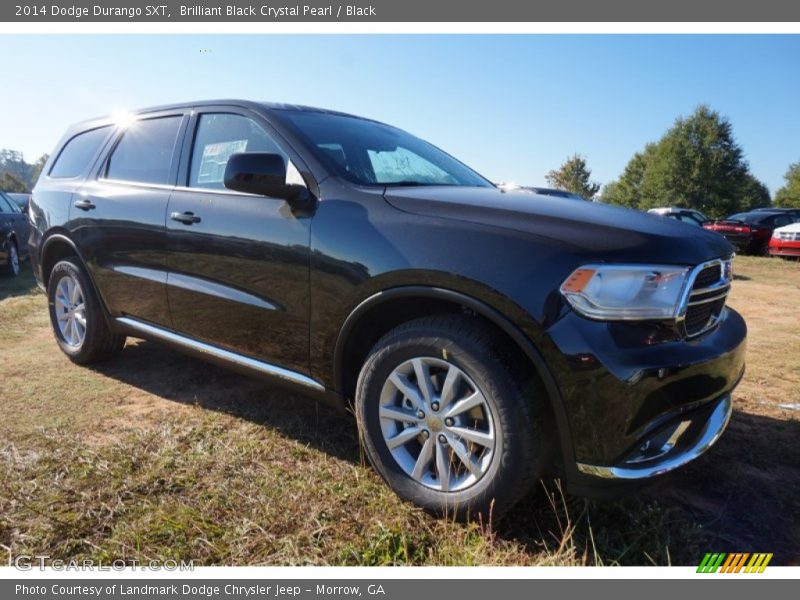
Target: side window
77,152
3,206
218,136
782,220
144,154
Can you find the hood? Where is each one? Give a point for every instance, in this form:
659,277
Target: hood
597,231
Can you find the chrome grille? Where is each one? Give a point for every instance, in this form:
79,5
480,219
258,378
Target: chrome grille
789,236
703,306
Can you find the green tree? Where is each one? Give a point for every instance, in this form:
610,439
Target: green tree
37,168
627,191
574,176
696,164
789,194
9,182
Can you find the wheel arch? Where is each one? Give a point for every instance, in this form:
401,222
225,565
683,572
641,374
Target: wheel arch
57,246
426,298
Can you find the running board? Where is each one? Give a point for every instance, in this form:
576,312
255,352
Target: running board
152,331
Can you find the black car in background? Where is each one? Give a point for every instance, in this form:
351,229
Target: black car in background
750,232
792,212
483,336
20,200
14,233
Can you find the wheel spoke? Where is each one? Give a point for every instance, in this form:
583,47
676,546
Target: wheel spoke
405,387
423,460
476,437
464,455
449,386
405,436
61,316
397,413
423,379
443,466
468,403
74,292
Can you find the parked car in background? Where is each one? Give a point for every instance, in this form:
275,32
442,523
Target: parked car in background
750,232
792,212
785,241
481,336
14,233
684,215
20,200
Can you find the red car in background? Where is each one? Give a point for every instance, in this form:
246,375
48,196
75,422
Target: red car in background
785,241
750,232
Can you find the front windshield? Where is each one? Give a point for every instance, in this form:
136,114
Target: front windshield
369,153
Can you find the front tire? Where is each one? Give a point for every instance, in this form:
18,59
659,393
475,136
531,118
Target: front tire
448,420
77,316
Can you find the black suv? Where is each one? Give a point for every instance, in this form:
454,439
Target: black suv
481,335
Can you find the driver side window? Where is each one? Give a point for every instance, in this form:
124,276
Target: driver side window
218,136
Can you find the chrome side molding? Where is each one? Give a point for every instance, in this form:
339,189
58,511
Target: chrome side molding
152,331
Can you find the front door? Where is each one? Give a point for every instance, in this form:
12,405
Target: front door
238,263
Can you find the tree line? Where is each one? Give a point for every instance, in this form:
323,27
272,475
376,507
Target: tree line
696,164
16,175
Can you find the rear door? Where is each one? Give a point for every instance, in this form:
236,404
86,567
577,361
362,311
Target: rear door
238,263
118,217
13,220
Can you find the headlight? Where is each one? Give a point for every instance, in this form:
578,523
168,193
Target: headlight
626,292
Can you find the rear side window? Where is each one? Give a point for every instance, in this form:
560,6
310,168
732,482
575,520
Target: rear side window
77,152
144,154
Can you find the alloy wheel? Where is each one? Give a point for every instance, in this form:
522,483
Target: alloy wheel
70,309
437,424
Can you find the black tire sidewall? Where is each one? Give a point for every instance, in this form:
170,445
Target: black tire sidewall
8,268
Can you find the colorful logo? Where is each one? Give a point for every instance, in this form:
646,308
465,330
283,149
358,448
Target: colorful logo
734,563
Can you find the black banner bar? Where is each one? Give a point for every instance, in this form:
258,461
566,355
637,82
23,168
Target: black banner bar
406,10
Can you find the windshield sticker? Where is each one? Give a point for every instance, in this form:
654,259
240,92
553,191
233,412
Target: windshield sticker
215,157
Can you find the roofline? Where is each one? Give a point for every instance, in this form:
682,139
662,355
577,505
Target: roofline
237,102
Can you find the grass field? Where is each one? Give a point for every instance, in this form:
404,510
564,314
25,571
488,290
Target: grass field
159,456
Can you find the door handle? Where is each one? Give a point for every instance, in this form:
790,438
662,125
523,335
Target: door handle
84,204
187,218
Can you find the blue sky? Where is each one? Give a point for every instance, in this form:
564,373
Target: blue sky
513,107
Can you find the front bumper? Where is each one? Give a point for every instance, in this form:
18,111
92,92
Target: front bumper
784,247
639,401
677,444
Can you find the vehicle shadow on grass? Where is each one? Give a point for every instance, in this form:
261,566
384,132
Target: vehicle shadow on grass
168,374
743,496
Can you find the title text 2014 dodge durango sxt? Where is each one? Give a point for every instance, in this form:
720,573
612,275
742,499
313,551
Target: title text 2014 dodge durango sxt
482,336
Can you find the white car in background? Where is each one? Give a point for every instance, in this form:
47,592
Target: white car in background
685,215
785,241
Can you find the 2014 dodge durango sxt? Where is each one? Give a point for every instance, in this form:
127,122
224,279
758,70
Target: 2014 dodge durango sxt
482,336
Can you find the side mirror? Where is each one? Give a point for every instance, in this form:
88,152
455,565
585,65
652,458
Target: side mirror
261,173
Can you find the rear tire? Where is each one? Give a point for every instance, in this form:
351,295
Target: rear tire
11,268
77,317
477,462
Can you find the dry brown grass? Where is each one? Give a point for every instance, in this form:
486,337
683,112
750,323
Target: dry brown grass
159,456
